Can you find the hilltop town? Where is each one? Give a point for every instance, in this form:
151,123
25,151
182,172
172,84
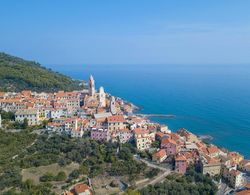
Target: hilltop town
106,118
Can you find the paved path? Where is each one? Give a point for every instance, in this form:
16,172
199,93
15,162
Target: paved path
159,178
224,189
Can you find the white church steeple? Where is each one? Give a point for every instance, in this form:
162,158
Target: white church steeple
91,86
102,97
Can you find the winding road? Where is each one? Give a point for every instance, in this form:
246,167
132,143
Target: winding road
157,179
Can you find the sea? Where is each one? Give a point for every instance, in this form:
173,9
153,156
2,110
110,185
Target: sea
205,99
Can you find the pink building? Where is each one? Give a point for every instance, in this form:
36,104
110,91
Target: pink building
180,164
125,135
100,134
169,145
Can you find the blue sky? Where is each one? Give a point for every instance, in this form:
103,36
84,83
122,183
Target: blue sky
127,31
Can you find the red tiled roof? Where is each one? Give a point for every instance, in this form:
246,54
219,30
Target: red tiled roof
247,186
116,118
161,153
213,149
243,192
140,131
160,134
168,140
234,172
81,187
174,136
180,158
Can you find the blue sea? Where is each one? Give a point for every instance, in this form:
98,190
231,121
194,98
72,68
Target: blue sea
206,99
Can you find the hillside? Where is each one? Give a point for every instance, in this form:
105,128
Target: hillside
17,74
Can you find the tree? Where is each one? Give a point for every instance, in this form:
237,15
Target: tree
83,169
152,173
61,176
132,192
74,174
47,177
28,184
25,123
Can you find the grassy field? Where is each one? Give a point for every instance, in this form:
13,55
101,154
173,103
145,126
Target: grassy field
35,173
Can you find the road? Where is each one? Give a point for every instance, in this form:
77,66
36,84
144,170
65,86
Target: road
150,164
159,178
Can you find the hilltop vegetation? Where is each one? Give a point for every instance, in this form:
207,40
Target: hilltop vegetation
25,150
192,183
17,74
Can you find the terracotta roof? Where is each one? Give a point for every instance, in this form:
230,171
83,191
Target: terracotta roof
116,118
67,193
137,119
234,172
243,192
247,186
213,149
180,158
200,145
81,187
212,160
175,136
54,124
2,94
140,131
168,140
161,153
160,134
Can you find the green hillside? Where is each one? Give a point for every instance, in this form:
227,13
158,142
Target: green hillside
17,74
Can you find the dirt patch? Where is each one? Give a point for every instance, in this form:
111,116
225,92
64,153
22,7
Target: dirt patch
101,185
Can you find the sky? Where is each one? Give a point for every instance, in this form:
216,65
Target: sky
127,31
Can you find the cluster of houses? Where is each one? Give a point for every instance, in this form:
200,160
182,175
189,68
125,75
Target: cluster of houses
187,149
109,118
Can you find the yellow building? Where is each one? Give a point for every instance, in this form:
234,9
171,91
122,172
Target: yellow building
142,138
116,122
210,166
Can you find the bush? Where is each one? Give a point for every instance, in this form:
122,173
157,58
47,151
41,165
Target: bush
152,173
47,177
61,176
74,175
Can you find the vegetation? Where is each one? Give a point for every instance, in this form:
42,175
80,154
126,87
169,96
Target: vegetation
25,150
152,173
192,183
18,74
61,176
7,115
13,144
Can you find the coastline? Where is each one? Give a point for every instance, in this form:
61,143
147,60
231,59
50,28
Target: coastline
206,138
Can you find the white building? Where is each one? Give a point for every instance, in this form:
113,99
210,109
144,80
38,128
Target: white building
11,105
165,129
102,97
91,86
236,178
55,113
32,115
113,105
